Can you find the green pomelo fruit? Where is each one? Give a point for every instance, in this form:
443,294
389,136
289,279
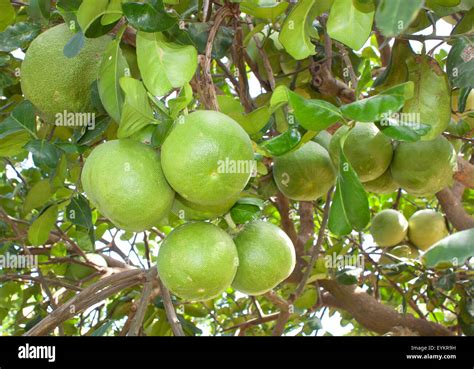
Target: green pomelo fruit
305,174
79,271
388,228
426,227
424,168
383,185
207,158
266,258
308,299
186,210
55,83
367,149
401,251
124,180
323,138
197,261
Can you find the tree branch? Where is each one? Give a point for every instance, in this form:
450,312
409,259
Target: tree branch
170,312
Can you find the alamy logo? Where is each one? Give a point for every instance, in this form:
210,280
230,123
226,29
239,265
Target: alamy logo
69,119
37,352
230,166
14,261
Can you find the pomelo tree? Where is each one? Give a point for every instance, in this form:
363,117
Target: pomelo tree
248,167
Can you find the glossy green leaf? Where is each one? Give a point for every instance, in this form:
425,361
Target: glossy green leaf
13,143
21,118
112,67
452,250
39,230
395,16
113,12
136,111
460,65
296,30
78,212
377,107
199,34
7,14
39,10
314,115
338,222
283,143
44,153
148,18
404,131
349,25
38,195
89,12
18,35
164,65
263,9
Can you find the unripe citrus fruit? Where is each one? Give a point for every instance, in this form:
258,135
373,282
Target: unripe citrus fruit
367,149
388,228
78,271
197,261
323,138
385,184
426,227
424,168
187,210
124,180
55,83
401,251
305,174
266,258
207,158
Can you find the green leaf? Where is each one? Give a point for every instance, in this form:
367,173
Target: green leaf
39,230
39,195
79,213
349,25
243,213
74,45
403,131
7,14
263,9
350,203
89,12
112,67
296,30
395,16
460,65
44,153
113,12
314,115
452,250
18,35
137,112
283,143
13,143
148,18
181,102
199,33
21,118
376,108
39,10
164,65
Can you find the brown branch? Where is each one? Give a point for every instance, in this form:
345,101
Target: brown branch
465,173
89,296
287,224
137,320
454,210
374,315
170,312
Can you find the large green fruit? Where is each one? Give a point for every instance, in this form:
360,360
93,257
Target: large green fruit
426,227
388,228
124,180
323,138
55,83
367,149
383,185
401,251
424,168
79,271
305,174
197,261
187,210
266,258
207,158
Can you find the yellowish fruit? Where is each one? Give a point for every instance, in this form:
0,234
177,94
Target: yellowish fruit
124,180
55,83
389,228
426,227
266,258
207,158
305,174
197,261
